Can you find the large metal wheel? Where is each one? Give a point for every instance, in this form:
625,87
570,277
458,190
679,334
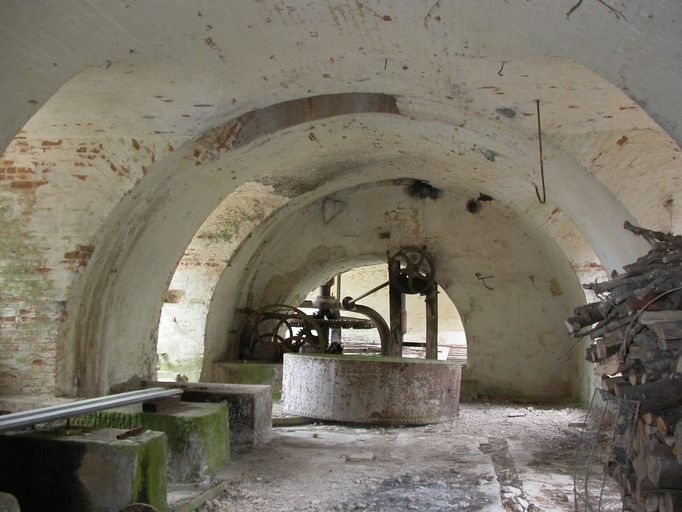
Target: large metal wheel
412,270
273,330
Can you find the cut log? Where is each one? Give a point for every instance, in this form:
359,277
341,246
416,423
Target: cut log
655,395
650,235
661,365
648,418
667,330
662,426
624,283
672,257
657,317
652,502
633,303
610,383
609,366
632,377
664,473
667,420
602,329
607,346
591,313
678,441
671,501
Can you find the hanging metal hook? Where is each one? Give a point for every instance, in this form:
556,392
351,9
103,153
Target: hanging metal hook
542,199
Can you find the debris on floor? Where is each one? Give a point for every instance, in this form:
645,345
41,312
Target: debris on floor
485,461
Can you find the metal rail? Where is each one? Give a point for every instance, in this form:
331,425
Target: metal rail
19,420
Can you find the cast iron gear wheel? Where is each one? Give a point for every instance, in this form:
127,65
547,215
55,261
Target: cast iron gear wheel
412,270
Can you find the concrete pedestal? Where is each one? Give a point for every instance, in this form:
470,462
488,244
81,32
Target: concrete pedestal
370,389
249,372
198,435
85,471
249,407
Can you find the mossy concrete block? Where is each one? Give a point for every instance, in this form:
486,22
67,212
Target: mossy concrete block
250,409
247,372
198,435
249,406
87,470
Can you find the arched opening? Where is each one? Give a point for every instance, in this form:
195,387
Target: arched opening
363,340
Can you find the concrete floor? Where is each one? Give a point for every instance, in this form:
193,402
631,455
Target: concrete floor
492,458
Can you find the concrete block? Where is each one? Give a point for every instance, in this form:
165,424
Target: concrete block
248,372
249,406
85,471
198,435
8,503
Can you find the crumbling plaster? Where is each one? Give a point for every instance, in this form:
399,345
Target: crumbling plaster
636,50
146,104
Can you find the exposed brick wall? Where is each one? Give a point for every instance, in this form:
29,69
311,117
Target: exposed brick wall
54,194
29,309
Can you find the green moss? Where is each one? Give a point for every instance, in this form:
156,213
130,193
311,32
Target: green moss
204,426
235,219
246,372
150,478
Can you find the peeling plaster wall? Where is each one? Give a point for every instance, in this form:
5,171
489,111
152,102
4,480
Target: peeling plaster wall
517,345
635,46
55,195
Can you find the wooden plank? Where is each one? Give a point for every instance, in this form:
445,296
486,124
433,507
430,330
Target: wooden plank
162,404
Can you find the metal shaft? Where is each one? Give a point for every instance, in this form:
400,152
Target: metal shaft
370,292
19,420
432,322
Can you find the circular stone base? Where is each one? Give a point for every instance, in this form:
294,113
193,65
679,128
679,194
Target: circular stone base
370,389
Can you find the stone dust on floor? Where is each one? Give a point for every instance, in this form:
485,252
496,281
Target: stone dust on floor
492,458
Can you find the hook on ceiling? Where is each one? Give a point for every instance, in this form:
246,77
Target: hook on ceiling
542,199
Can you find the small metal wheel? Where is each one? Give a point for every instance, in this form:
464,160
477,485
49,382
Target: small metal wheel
412,270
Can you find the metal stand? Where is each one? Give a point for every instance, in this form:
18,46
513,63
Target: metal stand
603,454
398,317
412,271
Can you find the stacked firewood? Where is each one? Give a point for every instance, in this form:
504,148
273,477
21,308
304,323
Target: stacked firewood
636,345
